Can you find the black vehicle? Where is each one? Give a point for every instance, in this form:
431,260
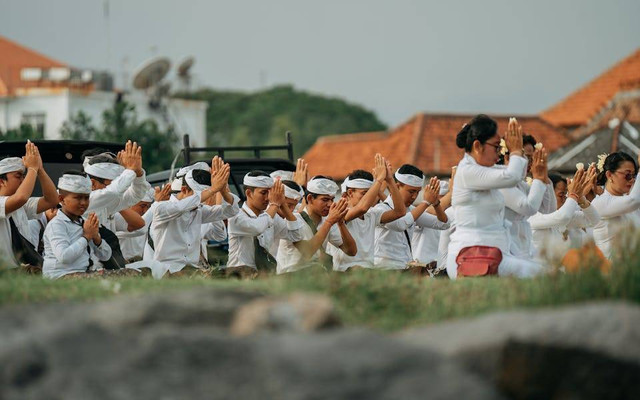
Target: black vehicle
57,155
239,166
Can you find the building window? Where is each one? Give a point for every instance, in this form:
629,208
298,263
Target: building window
35,120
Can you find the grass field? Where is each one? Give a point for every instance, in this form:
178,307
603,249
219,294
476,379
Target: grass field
378,299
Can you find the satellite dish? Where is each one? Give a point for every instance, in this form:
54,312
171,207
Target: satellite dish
151,72
185,66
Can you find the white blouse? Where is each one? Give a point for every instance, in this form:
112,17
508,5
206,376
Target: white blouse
616,213
549,229
478,206
522,202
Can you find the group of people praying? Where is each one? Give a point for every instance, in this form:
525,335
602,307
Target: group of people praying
501,213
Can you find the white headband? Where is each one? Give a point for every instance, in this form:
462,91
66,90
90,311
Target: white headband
343,186
322,186
444,187
86,160
104,170
11,164
292,193
150,196
283,175
358,183
75,184
176,185
195,186
258,181
199,165
409,179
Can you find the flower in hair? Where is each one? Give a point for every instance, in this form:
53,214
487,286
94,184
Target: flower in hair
601,159
503,147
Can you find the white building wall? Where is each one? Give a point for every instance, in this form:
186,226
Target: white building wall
53,103
59,105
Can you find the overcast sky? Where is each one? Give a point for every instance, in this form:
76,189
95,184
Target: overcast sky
395,57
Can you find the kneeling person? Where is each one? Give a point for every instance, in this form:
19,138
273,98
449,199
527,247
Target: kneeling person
324,223
69,241
177,223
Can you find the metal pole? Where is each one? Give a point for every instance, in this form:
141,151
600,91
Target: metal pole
289,145
185,144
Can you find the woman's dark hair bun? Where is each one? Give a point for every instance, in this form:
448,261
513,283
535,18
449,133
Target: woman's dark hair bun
461,138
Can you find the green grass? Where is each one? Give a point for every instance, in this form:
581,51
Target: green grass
382,300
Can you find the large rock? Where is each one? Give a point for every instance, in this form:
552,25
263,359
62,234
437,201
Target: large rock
178,346
588,351
298,312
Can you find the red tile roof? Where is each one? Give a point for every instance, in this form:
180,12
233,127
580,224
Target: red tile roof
14,57
580,106
426,140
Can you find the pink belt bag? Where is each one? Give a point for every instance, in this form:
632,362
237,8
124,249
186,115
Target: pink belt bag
478,261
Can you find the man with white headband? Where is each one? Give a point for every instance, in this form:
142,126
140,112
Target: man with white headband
71,242
393,245
17,243
362,190
259,224
425,240
324,224
133,224
117,184
177,223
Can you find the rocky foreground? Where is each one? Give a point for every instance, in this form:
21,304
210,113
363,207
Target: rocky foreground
222,344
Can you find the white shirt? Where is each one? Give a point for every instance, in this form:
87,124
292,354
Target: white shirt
132,243
445,238
548,229
212,231
21,218
289,256
66,251
616,213
478,206
392,244
243,228
176,228
363,231
124,192
425,244
522,202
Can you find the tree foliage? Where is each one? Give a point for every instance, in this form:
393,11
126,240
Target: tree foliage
24,132
261,118
120,124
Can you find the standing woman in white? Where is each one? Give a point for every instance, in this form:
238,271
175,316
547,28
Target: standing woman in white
478,205
618,205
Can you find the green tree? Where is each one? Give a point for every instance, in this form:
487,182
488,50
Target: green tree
262,117
24,132
120,124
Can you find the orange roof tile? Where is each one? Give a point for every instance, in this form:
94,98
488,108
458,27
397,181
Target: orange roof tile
580,106
426,140
14,58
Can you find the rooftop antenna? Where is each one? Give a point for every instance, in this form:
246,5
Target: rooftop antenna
184,72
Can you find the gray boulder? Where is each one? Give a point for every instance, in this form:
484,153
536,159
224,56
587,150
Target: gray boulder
587,351
178,346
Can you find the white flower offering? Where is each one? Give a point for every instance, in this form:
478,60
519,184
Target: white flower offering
538,146
503,147
579,166
529,180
